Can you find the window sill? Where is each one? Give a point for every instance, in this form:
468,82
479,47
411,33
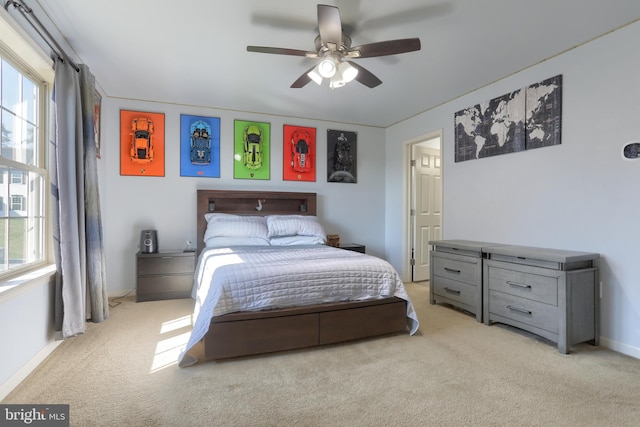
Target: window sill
24,282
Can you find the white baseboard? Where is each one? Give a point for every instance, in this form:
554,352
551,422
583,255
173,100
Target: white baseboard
22,373
121,293
625,349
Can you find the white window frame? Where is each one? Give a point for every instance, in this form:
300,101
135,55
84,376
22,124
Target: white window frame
17,203
17,178
19,50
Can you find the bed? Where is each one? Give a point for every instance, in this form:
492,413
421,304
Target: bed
289,293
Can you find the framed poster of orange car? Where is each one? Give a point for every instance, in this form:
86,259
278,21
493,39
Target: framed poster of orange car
299,153
251,150
141,143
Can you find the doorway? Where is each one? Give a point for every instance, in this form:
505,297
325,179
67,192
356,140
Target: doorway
425,198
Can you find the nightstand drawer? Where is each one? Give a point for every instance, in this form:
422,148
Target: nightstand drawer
531,313
165,264
355,247
457,269
164,275
181,284
526,285
463,293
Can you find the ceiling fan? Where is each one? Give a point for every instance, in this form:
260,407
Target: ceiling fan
334,48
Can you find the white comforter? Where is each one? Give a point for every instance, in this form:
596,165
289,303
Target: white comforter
260,277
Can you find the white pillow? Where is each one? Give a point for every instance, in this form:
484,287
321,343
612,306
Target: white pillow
227,225
296,240
294,225
226,242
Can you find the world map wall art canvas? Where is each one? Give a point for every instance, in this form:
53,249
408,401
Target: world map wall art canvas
526,118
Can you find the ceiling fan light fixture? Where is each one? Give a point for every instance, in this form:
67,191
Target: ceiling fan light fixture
336,81
348,71
333,47
327,68
315,76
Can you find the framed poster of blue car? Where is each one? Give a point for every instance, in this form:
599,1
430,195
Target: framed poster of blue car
199,146
251,150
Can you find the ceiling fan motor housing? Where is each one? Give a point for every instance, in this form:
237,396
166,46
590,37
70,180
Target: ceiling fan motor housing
324,49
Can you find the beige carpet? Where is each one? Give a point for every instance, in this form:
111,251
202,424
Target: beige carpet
453,372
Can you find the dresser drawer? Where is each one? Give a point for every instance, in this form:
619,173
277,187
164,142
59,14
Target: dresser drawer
165,264
539,315
457,251
463,293
553,265
526,285
457,269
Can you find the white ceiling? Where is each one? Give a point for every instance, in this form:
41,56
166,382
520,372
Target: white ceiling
193,52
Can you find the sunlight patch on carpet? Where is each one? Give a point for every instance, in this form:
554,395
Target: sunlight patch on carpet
175,324
169,347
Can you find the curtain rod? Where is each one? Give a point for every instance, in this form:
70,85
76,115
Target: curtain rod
28,14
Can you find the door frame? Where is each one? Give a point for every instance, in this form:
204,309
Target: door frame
408,196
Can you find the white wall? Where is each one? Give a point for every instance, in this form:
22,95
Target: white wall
580,195
26,329
168,204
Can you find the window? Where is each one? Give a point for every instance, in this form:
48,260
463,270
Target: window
17,177
22,167
17,203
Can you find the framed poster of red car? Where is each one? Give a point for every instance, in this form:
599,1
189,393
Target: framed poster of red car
141,143
299,153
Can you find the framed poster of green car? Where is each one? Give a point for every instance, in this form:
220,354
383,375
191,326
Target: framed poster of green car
251,149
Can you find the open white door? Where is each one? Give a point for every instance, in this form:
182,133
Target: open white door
426,212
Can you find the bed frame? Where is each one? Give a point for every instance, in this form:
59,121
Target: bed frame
250,333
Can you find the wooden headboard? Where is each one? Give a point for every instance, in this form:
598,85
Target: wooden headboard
251,203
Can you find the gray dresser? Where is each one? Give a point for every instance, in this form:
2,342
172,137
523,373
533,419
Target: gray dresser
164,275
549,292
455,276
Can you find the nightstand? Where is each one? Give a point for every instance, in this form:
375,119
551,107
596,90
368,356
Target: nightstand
356,247
455,276
164,275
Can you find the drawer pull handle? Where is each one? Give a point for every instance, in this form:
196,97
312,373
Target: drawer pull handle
452,291
520,310
451,270
519,285
167,257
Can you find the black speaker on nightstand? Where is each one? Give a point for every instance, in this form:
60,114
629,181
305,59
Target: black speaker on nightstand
148,241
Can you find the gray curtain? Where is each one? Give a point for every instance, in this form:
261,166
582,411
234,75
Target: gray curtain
77,225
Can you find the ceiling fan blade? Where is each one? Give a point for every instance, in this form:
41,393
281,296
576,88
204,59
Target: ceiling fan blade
365,76
330,26
303,79
389,47
406,16
282,22
278,50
